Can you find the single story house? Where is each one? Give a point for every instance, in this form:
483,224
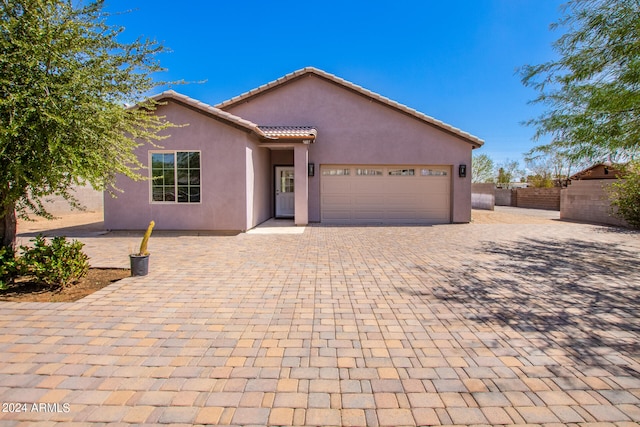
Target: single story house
597,171
308,146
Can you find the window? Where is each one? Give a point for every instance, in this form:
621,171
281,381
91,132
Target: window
287,181
334,172
402,172
369,172
175,176
433,172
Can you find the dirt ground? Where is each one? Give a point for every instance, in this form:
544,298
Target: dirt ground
503,215
77,221
97,278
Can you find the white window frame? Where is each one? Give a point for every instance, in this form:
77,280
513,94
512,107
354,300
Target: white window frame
175,177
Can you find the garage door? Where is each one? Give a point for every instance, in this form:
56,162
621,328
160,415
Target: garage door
355,194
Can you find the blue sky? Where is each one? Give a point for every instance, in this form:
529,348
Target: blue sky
455,60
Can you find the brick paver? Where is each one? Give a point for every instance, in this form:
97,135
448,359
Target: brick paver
469,324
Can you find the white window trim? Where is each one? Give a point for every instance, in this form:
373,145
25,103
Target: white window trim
175,177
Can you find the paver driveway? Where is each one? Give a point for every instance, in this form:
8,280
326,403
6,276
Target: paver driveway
452,324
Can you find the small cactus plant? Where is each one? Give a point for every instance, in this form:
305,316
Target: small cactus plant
145,239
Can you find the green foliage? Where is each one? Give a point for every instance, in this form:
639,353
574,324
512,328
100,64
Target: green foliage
508,171
592,92
625,195
64,82
482,168
57,264
9,266
543,180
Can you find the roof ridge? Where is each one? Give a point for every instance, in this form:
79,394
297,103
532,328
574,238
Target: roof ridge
357,88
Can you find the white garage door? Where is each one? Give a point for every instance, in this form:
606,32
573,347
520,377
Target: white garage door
353,194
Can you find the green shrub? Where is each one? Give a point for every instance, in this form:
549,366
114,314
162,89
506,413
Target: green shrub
57,264
9,266
625,195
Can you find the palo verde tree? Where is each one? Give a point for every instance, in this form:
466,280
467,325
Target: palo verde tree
508,172
482,168
592,91
549,168
64,81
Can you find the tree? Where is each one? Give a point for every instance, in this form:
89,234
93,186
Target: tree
482,168
64,82
550,168
625,194
508,172
592,91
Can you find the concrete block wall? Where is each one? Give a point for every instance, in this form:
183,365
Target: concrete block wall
483,196
505,197
92,200
587,200
538,198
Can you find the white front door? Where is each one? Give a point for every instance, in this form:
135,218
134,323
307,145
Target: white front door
285,199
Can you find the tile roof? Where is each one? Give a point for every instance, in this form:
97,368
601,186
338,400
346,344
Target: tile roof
289,131
473,140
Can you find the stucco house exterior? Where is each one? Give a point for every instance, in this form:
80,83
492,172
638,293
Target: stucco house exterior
308,146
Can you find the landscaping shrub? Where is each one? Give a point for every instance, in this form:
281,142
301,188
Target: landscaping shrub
9,266
625,195
59,263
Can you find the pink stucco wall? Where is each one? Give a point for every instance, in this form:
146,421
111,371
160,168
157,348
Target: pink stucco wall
225,151
259,184
354,129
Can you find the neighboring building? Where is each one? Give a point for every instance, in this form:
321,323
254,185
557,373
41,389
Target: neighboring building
597,171
309,146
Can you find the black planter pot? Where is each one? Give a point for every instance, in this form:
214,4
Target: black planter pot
139,265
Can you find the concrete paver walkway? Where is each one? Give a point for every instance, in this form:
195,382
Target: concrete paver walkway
379,326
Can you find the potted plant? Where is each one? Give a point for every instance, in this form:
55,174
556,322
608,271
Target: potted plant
140,261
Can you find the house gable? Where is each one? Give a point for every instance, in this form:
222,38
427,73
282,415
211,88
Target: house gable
231,104
352,128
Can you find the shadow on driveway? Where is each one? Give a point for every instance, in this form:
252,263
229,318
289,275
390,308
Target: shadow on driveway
579,295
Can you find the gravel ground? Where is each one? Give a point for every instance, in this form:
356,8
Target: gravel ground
509,215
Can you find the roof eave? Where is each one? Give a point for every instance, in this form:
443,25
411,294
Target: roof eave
211,111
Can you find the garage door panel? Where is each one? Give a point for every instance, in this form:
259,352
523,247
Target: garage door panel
366,200
367,215
399,199
337,214
398,215
331,200
336,184
435,200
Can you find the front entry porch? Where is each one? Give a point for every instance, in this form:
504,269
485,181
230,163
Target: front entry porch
290,182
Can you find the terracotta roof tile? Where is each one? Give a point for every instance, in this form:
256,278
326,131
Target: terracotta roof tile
289,131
